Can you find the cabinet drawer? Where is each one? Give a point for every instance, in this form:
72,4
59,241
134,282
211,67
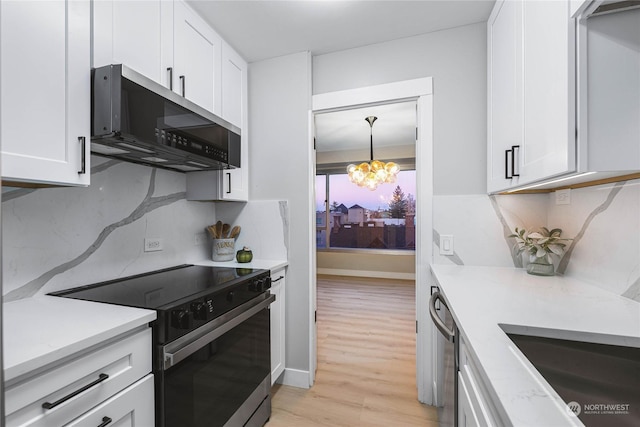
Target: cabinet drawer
123,361
131,407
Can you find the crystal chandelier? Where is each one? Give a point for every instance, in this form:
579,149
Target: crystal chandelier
374,173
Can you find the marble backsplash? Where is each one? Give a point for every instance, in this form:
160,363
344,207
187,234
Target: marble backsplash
58,238
603,221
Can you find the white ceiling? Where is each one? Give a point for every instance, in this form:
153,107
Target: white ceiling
269,28
266,28
348,129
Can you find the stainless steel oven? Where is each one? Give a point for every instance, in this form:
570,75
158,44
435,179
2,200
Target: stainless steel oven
212,353
219,374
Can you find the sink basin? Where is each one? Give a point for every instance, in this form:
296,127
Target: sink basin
603,379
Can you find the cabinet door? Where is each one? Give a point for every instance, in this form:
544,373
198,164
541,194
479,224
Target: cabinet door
134,33
45,85
235,184
235,111
549,90
277,325
234,86
504,94
197,56
467,416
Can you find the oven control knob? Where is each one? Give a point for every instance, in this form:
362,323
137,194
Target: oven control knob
180,319
202,310
255,285
230,296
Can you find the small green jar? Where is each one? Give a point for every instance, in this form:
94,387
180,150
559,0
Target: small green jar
244,255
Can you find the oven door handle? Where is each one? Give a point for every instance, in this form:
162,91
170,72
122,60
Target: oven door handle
176,352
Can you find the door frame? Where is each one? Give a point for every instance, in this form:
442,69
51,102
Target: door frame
421,91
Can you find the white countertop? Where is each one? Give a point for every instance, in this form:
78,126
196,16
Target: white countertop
482,298
267,264
44,329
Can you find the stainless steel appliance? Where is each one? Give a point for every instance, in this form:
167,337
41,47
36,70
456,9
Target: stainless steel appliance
212,353
138,120
448,412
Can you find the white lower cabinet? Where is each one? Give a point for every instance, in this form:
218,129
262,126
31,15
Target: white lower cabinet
475,407
278,278
131,407
72,388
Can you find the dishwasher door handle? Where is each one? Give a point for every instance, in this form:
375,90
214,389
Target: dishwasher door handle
446,332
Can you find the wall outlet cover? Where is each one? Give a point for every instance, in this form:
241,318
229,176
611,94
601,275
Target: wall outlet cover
563,197
152,245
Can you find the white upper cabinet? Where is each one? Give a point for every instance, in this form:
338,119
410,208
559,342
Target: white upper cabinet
504,94
228,184
45,86
549,128
234,86
531,95
609,75
136,33
197,59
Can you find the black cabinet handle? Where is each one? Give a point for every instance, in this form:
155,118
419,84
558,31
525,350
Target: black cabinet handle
278,279
513,160
105,421
182,84
507,155
170,77
48,405
83,155
229,182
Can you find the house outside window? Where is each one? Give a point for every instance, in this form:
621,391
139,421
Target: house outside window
359,218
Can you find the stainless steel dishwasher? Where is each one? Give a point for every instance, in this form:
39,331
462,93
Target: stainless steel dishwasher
448,412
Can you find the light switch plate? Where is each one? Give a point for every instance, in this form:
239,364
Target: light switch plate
446,244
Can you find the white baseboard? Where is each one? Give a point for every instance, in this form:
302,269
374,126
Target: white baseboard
295,378
367,273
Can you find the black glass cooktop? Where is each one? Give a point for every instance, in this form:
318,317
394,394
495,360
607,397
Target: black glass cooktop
163,289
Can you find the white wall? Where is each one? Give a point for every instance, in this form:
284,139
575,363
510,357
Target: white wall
456,59
58,238
279,101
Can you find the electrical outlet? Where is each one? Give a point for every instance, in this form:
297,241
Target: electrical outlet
446,244
199,239
563,197
152,245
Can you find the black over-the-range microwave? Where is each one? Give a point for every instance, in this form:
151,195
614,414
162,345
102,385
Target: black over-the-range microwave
135,119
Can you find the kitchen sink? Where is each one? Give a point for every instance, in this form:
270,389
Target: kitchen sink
603,379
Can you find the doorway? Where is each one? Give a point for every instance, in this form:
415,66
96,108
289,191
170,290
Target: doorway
420,92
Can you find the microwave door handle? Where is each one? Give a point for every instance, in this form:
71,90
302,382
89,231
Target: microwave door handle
446,332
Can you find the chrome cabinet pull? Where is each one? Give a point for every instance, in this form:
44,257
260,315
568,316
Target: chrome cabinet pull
48,405
170,77
105,421
83,155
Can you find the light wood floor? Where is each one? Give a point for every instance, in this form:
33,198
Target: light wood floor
366,360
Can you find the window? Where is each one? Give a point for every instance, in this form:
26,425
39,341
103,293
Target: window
348,216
